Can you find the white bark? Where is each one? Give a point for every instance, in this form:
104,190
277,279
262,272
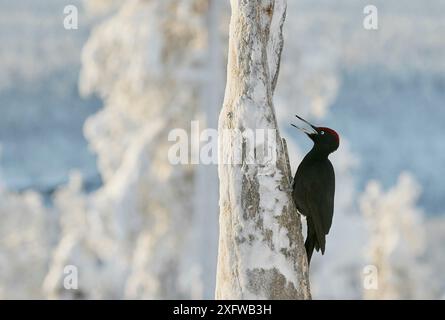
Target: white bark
261,251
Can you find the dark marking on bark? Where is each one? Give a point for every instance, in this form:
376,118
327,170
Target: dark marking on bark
269,10
271,284
268,234
240,240
250,197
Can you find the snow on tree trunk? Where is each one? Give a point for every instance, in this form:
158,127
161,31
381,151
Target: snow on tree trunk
261,253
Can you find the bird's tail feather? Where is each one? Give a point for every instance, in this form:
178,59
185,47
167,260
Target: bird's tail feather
309,244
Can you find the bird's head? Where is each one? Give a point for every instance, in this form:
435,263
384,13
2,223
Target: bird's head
324,138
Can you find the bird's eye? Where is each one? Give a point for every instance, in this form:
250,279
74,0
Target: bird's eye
321,132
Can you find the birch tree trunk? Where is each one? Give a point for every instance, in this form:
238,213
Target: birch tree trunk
261,252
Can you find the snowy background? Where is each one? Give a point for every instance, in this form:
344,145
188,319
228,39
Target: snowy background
84,120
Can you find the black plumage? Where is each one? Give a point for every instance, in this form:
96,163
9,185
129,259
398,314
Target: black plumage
314,186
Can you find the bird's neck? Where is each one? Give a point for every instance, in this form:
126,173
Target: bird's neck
318,153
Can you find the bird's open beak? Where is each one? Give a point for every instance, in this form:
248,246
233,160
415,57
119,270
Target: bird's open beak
306,127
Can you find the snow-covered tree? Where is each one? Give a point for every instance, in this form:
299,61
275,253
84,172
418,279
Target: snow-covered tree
84,246
396,243
150,231
261,252
26,237
157,221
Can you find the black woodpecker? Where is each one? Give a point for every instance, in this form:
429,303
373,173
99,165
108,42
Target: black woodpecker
314,185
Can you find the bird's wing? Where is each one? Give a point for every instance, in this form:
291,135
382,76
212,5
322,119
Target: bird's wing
318,192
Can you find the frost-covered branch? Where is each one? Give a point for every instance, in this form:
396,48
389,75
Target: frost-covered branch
261,252
397,241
